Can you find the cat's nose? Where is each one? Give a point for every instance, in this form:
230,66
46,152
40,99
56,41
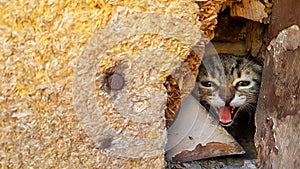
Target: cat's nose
226,94
227,99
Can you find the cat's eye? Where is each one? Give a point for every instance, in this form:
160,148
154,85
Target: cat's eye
243,83
208,84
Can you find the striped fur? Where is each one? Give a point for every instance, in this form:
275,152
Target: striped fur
229,83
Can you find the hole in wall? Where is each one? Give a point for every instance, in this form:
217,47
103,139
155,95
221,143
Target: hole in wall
231,38
243,38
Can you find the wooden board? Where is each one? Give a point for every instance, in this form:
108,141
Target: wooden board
278,113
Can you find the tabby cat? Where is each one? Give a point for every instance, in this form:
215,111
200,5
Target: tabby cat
229,86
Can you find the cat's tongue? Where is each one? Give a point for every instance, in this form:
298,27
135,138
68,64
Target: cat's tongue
225,114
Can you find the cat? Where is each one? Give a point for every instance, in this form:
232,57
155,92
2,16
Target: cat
229,86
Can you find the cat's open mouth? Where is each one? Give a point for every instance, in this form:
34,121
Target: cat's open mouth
226,114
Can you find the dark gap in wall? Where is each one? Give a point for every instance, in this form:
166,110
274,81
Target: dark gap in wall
240,37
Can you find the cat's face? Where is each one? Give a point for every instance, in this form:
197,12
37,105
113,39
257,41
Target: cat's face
228,85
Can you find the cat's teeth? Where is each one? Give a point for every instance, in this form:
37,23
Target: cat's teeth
232,109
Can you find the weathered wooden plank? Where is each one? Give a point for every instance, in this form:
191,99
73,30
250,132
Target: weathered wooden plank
278,114
284,14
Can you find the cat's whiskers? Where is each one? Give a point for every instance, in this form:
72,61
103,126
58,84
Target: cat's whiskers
248,108
240,83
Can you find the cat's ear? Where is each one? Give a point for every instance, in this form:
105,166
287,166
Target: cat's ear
259,60
256,59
